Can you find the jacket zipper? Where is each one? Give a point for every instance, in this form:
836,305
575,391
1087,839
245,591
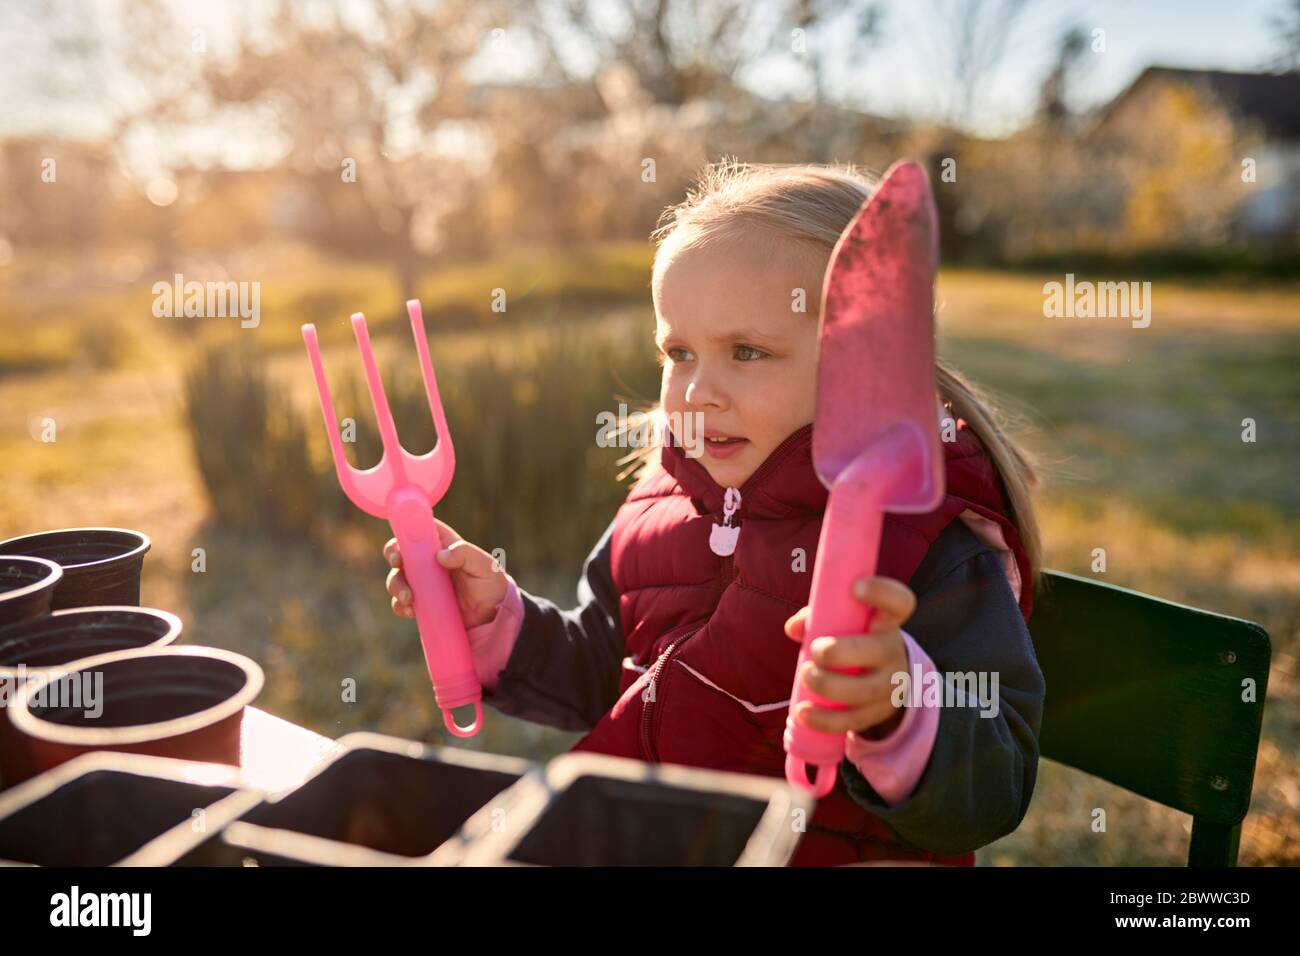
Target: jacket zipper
649,751
774,459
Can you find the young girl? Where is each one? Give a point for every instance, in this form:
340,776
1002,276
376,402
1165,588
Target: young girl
683,650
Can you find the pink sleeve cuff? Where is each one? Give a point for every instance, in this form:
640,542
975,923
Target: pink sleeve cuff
491,643
894,764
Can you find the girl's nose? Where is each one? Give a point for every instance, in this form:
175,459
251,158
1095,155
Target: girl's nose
701,392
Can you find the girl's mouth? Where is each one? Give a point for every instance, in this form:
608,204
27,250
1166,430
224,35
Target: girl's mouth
721,446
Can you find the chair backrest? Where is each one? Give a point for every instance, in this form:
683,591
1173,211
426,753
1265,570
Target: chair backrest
1153,696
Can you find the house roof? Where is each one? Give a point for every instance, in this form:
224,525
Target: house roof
1270,99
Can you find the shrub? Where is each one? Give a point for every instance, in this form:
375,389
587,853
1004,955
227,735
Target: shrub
250,444
530,478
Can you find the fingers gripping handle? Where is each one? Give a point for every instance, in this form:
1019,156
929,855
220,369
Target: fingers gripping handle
442,630
848,549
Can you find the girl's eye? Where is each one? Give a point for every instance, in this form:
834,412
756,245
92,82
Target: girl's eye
742,353
675,354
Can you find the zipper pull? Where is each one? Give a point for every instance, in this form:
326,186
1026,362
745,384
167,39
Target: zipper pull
722,537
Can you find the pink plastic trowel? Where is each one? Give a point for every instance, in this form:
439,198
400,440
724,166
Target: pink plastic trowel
876,430
403,488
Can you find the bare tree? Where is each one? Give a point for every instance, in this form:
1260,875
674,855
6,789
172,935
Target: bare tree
679,49
683,49
1052,107
855,24
980,31
1286,24
107,69
966,40
358,96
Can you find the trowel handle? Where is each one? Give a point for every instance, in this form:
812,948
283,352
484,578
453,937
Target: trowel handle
442,630
848,550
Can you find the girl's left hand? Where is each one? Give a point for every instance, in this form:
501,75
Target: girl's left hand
869,711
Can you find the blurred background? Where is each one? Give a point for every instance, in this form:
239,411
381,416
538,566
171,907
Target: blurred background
505,162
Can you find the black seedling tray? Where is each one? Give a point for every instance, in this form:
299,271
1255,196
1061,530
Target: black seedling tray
593,810
381,801
106,809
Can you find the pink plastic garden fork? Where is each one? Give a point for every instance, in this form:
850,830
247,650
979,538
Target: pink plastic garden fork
403,488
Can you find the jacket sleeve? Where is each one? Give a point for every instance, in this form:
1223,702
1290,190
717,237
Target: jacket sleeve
564,667
980,776
893,764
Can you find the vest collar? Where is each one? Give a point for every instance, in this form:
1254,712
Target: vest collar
784,484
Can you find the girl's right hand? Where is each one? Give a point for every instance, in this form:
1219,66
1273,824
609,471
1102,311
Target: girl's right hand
478,580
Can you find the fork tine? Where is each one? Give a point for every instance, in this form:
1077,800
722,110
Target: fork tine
375,385
430,380
326,401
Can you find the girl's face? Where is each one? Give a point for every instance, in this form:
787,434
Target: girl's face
734,348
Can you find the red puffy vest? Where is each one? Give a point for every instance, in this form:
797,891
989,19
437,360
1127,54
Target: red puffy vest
708,631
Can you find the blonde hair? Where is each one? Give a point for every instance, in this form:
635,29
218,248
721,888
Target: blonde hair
812,205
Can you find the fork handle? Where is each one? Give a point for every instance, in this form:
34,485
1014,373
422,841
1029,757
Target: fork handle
442,630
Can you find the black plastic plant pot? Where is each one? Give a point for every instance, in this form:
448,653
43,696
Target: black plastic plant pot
380,801
185,702
107,809
26,587
100,565
31,648
594,810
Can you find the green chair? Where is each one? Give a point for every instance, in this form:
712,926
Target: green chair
1147,694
